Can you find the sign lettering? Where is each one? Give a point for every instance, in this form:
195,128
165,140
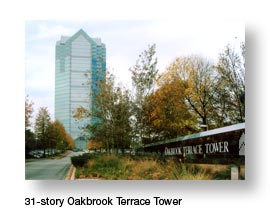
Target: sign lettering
208,148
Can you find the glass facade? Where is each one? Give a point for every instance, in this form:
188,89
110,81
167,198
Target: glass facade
80,61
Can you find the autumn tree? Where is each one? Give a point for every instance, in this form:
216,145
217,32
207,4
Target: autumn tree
60,133
144,76
198,80
94,145
231,81
169,114
70,141
58,136
52,140
42,127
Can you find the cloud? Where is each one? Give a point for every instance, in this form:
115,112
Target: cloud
41,30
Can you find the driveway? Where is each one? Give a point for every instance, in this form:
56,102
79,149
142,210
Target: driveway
48,169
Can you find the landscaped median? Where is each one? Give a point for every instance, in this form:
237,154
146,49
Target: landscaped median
150,167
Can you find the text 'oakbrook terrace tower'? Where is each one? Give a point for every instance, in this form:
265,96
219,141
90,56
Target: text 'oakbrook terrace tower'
80,62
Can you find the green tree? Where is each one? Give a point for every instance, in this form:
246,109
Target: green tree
231,81
144,76
42,127
30,142
29,135
121,114
101,129
28,111
111,125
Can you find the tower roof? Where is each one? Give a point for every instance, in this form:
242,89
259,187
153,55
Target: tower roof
65,39
97,41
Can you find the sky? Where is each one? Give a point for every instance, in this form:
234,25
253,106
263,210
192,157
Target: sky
124,40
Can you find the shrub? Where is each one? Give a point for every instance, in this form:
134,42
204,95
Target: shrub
106,163
87,155
110,167
142,167
81,160
78,173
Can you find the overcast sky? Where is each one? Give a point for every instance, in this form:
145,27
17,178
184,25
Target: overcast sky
124,41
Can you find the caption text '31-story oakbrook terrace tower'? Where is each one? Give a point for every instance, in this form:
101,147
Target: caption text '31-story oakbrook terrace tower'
80,62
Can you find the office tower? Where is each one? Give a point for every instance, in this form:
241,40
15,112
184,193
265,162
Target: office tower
80,62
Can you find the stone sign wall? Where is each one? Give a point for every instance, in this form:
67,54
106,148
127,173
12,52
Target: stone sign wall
226,145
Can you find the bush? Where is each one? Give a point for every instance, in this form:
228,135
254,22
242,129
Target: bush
81,160
87,155
107,163
142,167
108,167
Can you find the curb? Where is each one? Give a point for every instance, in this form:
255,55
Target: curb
71,173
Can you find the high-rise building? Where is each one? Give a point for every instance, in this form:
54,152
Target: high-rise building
80,62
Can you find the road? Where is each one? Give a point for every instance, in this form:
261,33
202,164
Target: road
48,169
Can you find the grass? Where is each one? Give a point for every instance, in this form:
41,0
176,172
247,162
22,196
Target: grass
126,167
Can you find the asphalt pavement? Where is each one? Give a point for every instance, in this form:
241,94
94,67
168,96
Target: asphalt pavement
48,169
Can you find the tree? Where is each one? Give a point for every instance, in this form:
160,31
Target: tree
198,81
101,129
144,76
29,135
112,113
51,137
121,115
42,127
92,144
60,135
70,141
28,111
30,142
58,138
231,79
169,114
